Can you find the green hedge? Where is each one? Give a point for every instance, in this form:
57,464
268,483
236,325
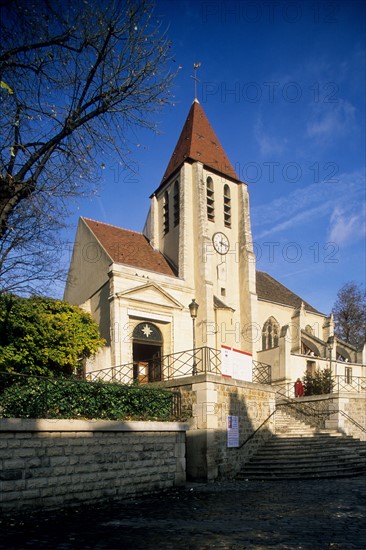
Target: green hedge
45,398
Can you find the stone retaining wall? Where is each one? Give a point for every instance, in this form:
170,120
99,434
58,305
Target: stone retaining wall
355,407
210,399
56,463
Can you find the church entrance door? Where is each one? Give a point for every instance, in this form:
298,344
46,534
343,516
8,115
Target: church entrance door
147,343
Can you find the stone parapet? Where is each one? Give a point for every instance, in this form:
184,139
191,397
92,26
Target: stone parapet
56,463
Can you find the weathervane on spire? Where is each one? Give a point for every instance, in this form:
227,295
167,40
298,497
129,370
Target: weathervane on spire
195,67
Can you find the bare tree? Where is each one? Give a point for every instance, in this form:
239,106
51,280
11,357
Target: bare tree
75,77
350,314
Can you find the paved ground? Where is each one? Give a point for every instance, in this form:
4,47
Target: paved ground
230,515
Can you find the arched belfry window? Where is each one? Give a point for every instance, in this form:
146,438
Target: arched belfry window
227,206
176,203
270,333
210,198
166,213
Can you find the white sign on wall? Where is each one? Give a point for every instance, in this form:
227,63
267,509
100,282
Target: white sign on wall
236,364
232,431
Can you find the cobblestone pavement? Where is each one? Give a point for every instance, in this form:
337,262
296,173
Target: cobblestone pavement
324,514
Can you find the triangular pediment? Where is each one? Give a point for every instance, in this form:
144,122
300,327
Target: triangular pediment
151,293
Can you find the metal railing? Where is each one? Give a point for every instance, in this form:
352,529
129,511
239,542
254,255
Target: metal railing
306,411
176,365
253,434
355,384
310,412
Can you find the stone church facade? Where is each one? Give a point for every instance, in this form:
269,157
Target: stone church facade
197,244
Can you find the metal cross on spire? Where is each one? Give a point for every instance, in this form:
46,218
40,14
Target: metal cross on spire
195,67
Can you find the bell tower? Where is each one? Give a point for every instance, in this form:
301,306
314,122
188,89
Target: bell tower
199,219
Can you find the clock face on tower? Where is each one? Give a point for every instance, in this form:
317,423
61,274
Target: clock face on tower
221,243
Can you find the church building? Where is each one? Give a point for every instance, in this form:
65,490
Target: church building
196,249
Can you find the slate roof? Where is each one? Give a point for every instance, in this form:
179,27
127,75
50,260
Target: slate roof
272,291
198,142
129,248
219,304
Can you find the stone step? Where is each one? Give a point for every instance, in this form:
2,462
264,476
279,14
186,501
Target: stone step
268,476
293,467
307,458
309,445
301,451
295,434
292,470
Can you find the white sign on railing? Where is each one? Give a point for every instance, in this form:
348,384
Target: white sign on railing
236,364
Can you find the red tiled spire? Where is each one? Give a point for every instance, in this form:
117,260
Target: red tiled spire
198,142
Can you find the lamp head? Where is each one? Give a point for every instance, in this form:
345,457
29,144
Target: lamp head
193,308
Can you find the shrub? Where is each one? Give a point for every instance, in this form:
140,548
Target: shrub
45,337
321,382
61,398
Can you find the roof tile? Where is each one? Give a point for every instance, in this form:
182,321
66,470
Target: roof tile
271,290
129,247
198,142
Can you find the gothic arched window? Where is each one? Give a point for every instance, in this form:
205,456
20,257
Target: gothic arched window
309,330
227,206
166,213
270,333
210,198
176,204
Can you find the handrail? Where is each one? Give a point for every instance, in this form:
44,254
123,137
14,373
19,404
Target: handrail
176,365
315,413
257,430
352,420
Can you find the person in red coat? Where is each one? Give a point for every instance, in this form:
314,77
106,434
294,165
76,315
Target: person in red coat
299,388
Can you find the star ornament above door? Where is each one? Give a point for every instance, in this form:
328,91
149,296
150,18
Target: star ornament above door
147,331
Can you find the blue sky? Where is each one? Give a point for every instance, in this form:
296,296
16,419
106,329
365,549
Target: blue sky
283,85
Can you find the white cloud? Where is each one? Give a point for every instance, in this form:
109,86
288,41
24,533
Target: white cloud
346,226
331,120
318,201
296,219
268,145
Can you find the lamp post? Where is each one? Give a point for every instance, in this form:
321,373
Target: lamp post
193,308
330,343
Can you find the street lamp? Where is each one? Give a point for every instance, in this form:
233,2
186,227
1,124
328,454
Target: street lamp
193,308
330,343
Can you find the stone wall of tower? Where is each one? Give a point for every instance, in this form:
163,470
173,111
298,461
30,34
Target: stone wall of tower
247,270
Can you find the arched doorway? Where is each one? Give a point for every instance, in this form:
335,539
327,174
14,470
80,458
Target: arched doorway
147,344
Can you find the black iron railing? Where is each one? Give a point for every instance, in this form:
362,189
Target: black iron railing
354,384
262,373
176,365
312,416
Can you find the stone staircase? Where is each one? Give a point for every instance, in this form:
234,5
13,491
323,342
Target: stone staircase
299,451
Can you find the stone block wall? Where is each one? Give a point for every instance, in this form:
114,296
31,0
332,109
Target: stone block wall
354,405
56,463
253,404
211,399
